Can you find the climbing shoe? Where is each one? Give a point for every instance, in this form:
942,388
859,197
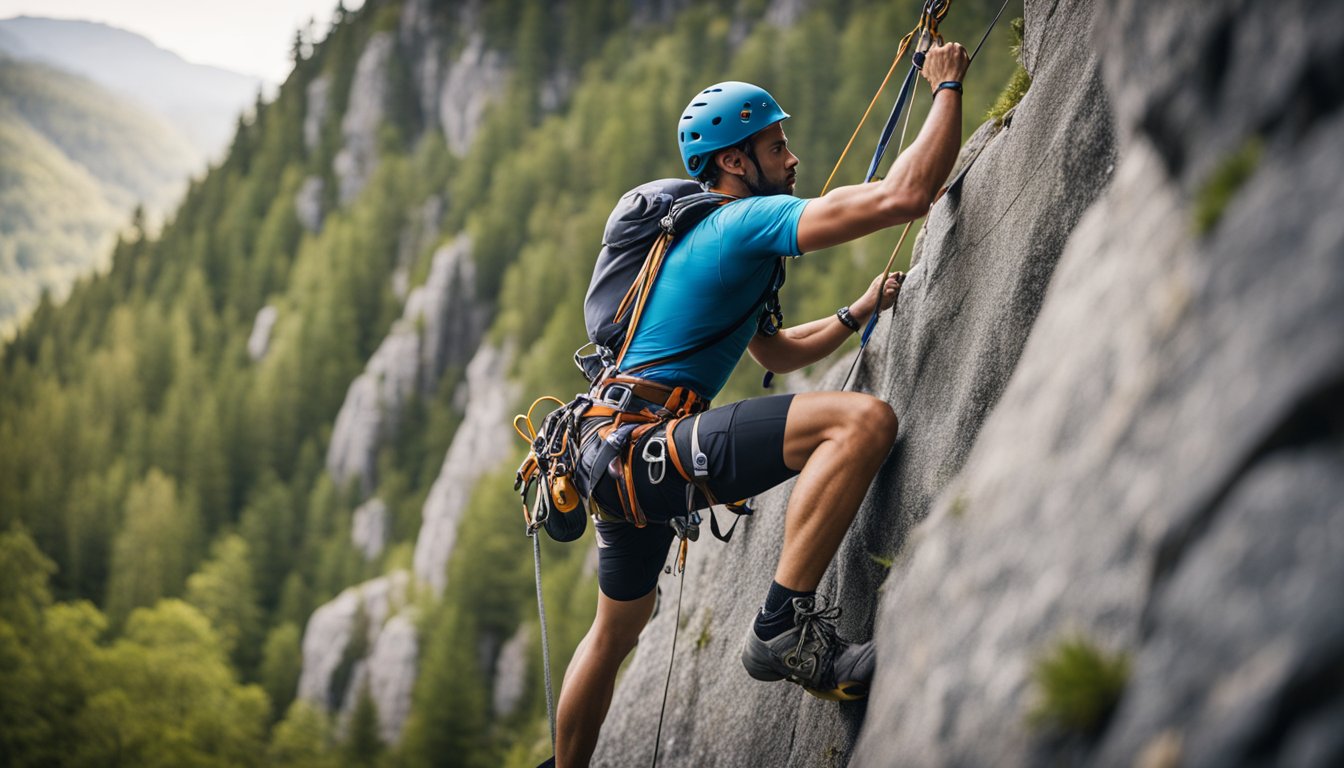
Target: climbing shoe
812,654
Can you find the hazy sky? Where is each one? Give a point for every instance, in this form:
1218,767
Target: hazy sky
248,36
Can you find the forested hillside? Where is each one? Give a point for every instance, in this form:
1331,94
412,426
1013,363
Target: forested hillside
75,162
174,500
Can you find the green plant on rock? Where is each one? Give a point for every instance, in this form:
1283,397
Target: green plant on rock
1017,85
1223,184
702,641
1078,686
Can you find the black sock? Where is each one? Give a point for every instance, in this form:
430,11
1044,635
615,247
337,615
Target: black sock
776,617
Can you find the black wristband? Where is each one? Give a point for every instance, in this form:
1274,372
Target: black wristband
847,319
951,85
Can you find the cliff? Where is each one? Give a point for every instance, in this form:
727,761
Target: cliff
1117,363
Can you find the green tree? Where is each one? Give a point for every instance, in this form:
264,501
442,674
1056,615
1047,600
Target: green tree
448,721
24,571
363,745
154,551
169,697
223,590
281,664
303,739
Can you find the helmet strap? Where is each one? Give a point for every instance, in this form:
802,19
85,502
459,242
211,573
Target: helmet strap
750,151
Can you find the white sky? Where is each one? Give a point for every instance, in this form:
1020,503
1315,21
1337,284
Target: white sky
248,36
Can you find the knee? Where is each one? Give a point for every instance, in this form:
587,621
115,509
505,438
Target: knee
613,642
875,422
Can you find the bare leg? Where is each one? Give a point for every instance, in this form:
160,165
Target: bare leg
838,440
586,692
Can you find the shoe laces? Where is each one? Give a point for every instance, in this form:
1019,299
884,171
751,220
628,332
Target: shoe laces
817,622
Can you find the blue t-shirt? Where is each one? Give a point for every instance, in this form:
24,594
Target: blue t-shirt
708,280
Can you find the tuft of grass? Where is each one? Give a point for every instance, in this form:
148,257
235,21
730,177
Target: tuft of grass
1223,184
1078,685
702,641
1017,84
959,506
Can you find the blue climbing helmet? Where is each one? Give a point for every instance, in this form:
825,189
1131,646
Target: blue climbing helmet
723,115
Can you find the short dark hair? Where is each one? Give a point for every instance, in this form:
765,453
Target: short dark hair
712,172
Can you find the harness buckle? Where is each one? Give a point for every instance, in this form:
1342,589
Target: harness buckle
687,528
622,394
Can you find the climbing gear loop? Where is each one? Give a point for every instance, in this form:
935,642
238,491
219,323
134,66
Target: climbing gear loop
550,465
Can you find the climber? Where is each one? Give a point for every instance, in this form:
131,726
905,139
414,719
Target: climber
733,141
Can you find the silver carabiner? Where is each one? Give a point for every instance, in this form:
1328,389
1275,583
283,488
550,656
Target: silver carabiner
656,460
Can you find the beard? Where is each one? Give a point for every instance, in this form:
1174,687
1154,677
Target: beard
764,186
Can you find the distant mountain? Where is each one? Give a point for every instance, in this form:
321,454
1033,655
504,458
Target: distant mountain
75,160
202,102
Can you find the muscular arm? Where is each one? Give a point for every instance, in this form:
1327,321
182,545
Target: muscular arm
793,348
848,213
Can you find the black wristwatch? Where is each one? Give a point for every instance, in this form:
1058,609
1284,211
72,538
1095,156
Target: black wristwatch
847,319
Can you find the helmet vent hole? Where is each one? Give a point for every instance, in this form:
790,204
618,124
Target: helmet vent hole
716,120
700,104
695,136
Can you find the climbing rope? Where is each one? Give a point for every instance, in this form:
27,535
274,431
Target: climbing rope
930,15
545,643
926,29
672,655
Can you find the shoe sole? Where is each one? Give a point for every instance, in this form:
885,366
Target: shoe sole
848,691
851,691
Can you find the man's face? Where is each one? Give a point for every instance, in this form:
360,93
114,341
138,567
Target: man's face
778,165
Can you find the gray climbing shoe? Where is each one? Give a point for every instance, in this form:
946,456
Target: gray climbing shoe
812,654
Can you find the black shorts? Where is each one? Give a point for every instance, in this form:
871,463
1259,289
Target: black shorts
744,442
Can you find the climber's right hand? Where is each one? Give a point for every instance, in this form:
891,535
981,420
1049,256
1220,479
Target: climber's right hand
945,62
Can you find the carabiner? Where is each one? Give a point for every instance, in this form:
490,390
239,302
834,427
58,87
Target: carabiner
656,460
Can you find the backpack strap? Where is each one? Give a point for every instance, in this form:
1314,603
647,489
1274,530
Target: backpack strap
771,289
684,214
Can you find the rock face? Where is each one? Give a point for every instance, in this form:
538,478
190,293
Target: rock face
368,530
259,341
389,674
318,104
439,328
511,670
364,114
1162,475
476,449
308,203
471,83
335,666
1120,425
332,629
